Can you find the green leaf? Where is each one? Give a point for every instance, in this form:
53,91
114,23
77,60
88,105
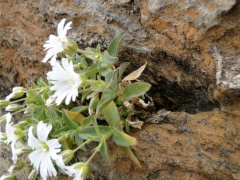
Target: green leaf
116,74
135,90
111,115
104,101
79,109
114,80
87,132
79,141
92,70
52,114
108,59
104,151
85,94
58,131
130,154
92,50
123,139
39,112
105,71
115,45
70,123
87,121
122,68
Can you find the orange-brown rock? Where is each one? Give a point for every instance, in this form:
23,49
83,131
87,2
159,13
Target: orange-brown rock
193,52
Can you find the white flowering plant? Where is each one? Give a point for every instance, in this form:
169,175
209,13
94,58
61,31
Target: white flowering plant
84,100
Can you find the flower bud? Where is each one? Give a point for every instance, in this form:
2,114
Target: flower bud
18,131
17,92
70,46
76,67
9,176
67,155
4,103
64,137
17,166
93,105
23,150
12,107
86,169
22,123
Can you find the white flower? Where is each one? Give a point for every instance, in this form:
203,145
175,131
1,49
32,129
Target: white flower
10,130
13,135
44,151
65,82
57,44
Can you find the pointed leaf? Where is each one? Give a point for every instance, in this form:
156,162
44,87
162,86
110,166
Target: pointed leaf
79,140
123,139
87,132
135,74
104,151
70,123
79,109
115,45
110,113
130,154
104,101
75,116
135,90
122,68
108,59
58,131
87,121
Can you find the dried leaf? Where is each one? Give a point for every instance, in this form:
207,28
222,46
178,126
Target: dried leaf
135,74
137,124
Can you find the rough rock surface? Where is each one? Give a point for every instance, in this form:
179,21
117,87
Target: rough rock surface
193,54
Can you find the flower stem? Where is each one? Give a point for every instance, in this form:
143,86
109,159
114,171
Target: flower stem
94,153
89,53
19,111
84,90
83,144
18,100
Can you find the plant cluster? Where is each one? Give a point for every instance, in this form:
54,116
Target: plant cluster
84,100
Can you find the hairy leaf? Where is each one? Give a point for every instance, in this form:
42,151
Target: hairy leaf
135,90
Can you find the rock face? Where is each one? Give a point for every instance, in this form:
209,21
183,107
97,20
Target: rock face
193,54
